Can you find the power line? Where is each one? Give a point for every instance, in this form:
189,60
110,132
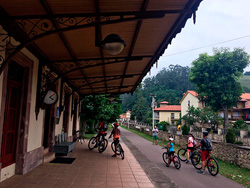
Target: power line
207,46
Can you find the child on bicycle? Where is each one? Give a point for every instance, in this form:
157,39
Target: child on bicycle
116,136
170,151
102,130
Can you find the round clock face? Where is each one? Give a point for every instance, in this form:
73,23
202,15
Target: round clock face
50,98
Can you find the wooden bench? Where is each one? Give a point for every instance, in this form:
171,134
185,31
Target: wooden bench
63,147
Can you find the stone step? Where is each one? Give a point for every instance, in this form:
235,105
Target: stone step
48,157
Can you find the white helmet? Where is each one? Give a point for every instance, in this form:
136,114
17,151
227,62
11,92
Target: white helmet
171,139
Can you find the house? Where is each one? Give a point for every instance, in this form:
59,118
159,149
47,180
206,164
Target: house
190,98
168,113
240,111
125,116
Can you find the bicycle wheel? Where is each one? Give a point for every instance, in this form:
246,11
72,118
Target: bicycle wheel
122,152
165,157
177,162
92,143
113,146
182,154
103,145
119,149
196,160
212,166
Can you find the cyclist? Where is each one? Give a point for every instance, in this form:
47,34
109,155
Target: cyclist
206,148
171,150
190,147
102,130
116,136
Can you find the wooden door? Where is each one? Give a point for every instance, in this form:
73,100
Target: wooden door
11,116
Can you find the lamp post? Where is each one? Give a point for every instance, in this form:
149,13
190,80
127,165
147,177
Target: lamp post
153,106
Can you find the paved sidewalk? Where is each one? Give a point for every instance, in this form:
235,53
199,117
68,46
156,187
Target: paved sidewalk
90,169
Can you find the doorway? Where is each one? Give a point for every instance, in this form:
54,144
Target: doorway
11,114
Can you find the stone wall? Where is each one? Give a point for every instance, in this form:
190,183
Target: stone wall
231,153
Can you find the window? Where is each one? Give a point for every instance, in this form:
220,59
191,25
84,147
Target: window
172,115
188,104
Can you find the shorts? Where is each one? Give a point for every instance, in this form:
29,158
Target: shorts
205,155
154,137
100,134
116,141
190,149
170,153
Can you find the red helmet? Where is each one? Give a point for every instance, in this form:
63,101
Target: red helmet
116,124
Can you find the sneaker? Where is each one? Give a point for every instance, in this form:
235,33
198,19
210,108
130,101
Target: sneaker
201,172
114,155
187,161
167,165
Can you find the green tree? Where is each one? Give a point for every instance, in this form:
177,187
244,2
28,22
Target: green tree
140,109
94,107
216,78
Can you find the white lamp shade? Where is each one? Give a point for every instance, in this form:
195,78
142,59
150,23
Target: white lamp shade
113,48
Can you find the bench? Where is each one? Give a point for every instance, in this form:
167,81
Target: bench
63,147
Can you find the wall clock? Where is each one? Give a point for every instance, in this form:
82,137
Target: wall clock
50,98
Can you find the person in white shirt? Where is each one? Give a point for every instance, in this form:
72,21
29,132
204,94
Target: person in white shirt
155,134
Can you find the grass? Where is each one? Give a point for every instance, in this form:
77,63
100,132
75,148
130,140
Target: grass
231,171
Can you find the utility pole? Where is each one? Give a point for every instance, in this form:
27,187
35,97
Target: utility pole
153,106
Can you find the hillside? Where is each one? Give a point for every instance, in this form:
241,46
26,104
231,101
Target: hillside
245,82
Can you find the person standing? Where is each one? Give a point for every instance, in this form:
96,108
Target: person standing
190,147
206,148
155,134
116,136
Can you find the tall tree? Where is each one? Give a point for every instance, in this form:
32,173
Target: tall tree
216,78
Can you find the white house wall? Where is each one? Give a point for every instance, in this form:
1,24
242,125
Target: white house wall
184,104
166,116
35,126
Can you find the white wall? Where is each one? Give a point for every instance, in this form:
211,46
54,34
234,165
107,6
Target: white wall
184,104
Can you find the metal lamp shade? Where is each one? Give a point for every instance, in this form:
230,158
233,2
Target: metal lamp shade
113,44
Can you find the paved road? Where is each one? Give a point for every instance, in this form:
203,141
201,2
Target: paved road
150,158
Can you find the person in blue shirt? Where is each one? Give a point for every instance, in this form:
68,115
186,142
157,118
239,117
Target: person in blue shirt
170,151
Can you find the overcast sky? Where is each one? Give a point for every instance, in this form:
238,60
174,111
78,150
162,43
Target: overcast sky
217,21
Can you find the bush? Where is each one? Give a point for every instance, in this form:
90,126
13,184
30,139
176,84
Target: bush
230,136
239,142
240,124
185,129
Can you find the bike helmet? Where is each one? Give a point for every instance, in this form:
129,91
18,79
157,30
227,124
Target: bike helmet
116,124
171,139
190,133
205,133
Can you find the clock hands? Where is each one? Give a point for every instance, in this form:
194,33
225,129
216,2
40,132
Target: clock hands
51,97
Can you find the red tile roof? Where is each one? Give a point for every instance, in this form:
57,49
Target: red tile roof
191,92
169,108
245,96
164,102
247,107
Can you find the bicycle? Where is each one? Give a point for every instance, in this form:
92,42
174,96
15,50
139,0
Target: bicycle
182,154
119,151
212,164
174,158
102,143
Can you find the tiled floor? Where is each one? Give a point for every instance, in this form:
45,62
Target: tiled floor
90,169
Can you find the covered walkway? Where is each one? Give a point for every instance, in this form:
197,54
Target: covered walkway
90,169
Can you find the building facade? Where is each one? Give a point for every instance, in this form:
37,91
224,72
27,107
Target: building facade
28,127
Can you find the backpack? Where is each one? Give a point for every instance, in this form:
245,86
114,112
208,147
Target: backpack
194,143
105,126
209,145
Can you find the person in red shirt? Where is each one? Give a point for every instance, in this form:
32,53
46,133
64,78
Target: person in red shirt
116,136
102,130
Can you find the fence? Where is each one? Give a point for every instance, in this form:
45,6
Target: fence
232,153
